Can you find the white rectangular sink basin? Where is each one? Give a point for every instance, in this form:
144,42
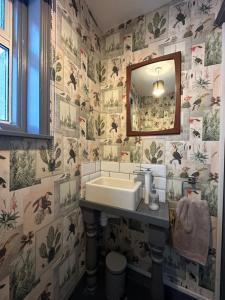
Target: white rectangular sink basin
121,193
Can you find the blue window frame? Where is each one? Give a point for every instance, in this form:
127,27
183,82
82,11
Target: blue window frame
4,83
25,82
2,14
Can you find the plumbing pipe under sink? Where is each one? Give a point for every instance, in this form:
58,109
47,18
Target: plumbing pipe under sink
104,218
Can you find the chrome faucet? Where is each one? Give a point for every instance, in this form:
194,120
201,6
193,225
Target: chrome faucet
149,178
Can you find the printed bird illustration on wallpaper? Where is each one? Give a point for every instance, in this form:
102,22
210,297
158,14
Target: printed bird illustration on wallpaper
88,122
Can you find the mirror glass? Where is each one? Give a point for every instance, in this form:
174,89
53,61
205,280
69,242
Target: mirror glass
154,98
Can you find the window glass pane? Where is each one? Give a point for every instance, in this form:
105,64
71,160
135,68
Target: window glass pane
33,69
2,14
4,80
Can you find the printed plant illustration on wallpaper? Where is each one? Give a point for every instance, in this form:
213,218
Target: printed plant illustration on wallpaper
57,67
3,180
67,116
82,91
199,153
174,190
49,250
22,166
199,156
158,25
135,154
90,129
51,156
207,274
91,67
213,49
210,194
113,45
27,240
9,213
101,72
42,206
139,35
202,83
205,6
9,245
100,125
111,101
211,124
67,270
83,150
48,245
110,153
67,193
94,152
154,153
69,39
22,276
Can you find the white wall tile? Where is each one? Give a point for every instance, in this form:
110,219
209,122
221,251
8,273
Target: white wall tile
95,175
98,166
87,168
158,170
129,167
119,175
104,174
110,166
160,183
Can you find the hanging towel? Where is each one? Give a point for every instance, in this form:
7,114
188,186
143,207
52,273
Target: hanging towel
192,229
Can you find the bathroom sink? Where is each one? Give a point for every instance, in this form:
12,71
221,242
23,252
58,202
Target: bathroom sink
115,192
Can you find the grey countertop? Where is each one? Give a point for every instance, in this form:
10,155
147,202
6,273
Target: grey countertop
143,214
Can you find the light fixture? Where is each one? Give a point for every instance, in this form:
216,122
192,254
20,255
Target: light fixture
158,86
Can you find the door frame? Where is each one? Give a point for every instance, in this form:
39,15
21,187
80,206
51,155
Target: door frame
220,262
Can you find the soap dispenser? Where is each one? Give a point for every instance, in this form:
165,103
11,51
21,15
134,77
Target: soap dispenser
154,199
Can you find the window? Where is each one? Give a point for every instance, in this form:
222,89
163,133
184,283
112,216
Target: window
24,67
4,80
5,58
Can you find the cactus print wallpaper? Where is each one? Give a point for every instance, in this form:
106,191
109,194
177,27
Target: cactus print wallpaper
42,238
185,26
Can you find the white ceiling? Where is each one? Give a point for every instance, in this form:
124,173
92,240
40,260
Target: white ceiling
111,13
144,77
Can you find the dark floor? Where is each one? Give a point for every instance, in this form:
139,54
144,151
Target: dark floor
134,291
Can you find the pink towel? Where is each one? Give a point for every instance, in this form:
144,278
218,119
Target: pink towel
192,230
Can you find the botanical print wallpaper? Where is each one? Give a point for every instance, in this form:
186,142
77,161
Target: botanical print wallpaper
42,239
185,26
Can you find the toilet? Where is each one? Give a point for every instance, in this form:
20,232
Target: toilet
116,264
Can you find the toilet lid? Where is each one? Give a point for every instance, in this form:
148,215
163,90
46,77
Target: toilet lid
116,262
